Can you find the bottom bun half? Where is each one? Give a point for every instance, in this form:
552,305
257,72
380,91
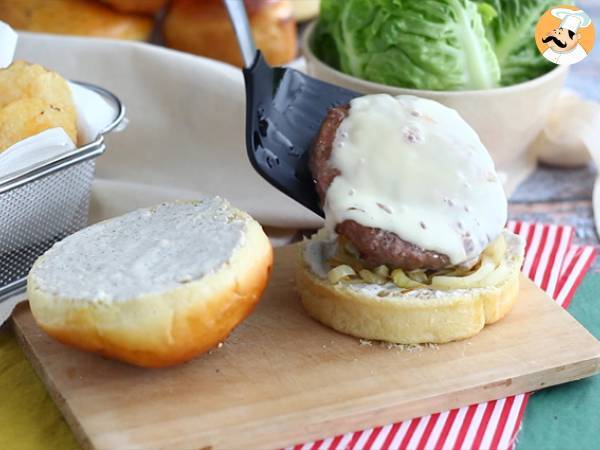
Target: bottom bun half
406,316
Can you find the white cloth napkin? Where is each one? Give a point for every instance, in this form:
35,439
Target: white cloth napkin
571,138
8,42
186,132
7,306
572,133
33,150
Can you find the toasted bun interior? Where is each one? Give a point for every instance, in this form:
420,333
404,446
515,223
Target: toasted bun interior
386,312
154,287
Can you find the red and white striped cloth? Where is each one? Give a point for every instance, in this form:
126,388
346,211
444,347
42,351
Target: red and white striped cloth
555,266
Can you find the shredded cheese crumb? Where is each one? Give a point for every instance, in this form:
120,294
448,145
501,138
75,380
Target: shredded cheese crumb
410,348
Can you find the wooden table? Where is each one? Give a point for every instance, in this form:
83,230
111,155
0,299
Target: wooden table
564,196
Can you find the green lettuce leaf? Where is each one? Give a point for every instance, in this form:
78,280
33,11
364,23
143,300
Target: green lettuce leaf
421,44
512,35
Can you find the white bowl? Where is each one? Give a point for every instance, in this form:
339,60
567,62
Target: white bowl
507,119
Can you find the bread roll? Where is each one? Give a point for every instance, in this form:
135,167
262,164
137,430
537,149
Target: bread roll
406,316
75,17
203,28
305,9
154,287
136,6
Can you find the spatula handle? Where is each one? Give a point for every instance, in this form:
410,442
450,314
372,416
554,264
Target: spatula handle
241,26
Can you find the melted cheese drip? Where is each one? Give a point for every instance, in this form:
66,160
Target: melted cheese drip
414,167
147,251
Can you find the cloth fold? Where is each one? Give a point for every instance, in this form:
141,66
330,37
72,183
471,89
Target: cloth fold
571,138
571,135
186,129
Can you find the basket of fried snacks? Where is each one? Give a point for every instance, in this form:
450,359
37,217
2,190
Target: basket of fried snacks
51,132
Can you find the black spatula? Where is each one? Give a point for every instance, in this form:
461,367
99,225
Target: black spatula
284,111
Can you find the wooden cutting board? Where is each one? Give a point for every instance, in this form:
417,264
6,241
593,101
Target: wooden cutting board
282,378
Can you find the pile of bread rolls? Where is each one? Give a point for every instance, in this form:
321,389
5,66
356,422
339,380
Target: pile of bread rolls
119,19
201,27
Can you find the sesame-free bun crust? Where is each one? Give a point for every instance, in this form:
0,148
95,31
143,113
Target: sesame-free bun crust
306,9
136,6
74,17
413,317
162,329
203,28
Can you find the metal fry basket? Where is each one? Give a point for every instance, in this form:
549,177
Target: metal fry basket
44,203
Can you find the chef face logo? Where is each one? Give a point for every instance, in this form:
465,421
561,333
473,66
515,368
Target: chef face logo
565,35
561,40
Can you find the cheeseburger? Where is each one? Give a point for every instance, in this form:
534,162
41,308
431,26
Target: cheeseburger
414,248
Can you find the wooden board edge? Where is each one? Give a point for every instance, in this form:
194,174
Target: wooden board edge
60,401
391,413
277,435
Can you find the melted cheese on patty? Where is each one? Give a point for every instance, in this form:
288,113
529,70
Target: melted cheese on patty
414,167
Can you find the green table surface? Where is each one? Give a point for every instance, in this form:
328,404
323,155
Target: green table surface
568,416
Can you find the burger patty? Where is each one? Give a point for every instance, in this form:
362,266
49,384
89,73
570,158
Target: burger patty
318,162
375,246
